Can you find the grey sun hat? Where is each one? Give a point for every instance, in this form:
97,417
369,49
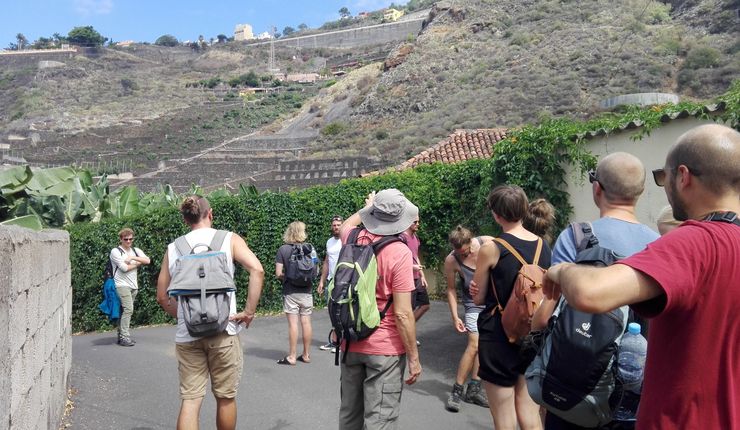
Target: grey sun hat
390,213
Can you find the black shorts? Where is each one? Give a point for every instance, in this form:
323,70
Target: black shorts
419,297
500,363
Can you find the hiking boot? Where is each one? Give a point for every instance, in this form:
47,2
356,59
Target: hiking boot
121,337
126,342
454,399
474,394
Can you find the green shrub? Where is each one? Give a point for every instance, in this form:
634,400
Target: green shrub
701,57
333,129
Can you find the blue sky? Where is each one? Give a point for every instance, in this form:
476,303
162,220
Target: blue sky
146,20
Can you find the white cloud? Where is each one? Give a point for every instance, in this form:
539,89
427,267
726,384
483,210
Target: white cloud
93,7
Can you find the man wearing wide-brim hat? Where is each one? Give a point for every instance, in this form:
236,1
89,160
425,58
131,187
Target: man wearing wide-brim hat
373,368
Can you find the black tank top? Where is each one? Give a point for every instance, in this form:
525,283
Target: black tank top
504,274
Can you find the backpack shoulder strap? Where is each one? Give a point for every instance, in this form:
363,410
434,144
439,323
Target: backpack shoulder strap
353,235
383,242
583,235
218,240
182,246
514,252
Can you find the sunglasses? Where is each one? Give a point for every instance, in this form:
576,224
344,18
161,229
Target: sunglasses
660,174
128,239
592,178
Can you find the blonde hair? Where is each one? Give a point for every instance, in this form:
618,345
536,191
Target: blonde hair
665,221
295,233
125,232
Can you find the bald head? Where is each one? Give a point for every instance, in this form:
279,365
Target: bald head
712,154
622,177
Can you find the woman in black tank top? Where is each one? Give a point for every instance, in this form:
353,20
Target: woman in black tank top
501,366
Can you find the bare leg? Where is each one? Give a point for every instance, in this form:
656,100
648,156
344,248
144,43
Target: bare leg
469,360
292,336
189,413
527,411
307,336
420,311
501,402
225,414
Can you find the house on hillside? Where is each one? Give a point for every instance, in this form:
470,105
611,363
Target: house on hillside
125,43
243,32
391,15
302,78
363,15
264,36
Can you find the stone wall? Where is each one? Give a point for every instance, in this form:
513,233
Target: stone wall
35,327
354,37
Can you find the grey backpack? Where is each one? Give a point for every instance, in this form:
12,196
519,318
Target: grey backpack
574,374
201,282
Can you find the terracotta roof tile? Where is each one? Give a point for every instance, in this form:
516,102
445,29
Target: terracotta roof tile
459,146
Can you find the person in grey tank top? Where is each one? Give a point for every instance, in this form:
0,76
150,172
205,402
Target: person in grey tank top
460,264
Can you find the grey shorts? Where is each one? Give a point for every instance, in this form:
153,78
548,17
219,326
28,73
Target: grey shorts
298,303
471,321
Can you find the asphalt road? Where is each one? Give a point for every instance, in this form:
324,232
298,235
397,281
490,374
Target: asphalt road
137,388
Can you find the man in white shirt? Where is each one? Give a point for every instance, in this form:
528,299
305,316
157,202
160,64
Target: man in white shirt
333,246
126,260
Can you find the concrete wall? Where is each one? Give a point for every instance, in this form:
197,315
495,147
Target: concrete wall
35,327
652,150
354,37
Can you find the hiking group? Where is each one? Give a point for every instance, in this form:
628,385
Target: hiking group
553,336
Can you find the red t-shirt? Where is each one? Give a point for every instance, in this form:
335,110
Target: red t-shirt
413,242
394,274
692,375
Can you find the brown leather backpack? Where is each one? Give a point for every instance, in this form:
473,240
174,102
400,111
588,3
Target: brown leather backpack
525,298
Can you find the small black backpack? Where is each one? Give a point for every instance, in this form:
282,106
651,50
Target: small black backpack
110,271
302,269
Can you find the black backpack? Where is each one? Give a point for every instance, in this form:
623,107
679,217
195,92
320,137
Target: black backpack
110,271
301,268
574,374
353,308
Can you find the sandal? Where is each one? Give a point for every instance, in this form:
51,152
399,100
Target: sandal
285,360
303,360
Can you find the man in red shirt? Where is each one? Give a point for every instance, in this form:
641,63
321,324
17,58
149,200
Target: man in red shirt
688,282
373,368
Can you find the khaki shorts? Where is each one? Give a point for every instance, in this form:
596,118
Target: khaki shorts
219,357
298,303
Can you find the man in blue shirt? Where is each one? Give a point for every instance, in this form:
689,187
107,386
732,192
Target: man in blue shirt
617,183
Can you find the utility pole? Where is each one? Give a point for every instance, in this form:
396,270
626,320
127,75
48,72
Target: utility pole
271,65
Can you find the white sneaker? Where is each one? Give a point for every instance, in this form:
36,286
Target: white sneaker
328,347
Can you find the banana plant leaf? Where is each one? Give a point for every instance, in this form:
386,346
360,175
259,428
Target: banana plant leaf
125,201
54,182
28,221
14,179
248,191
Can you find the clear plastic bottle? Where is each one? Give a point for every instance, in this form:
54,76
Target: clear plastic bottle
631,365
314,256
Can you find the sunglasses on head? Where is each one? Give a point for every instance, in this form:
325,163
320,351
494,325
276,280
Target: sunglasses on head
592,178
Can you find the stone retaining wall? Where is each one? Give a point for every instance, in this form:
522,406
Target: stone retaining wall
35,327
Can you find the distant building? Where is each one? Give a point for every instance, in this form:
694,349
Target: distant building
125,43
302,78
363,15
264,36
391,15
243,32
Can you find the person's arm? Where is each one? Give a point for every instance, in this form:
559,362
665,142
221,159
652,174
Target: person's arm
421,273
279,271
354,220
167,303
142,258
246,258
406,325
599,289
488,256
450,272
324,275
121,260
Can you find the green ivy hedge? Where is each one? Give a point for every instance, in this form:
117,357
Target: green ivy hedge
533,157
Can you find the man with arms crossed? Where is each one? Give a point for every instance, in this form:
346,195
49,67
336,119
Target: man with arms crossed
372,370
219,356
687,282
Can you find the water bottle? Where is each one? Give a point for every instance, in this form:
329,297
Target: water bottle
631,365
314,256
